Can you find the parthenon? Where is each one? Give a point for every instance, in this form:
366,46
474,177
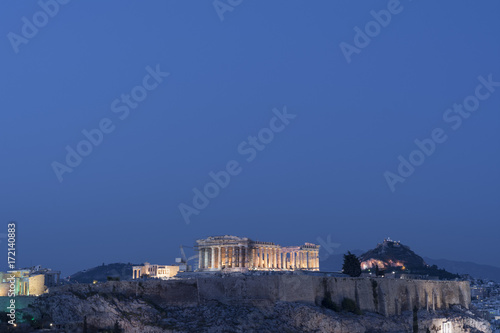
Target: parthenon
235,254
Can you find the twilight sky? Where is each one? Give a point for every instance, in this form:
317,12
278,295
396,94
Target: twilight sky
305,113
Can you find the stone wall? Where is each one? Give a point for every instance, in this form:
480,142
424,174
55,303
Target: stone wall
36,285
385,296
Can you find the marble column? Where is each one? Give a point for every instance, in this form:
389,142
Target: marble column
278,259
271,257
205,252
219,258
257,257
246,257
263,263
275,258
212,261
241,256
262,257
268,258
233,257
200,262
252,258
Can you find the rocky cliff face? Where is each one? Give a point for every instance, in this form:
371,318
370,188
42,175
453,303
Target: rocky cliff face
160,306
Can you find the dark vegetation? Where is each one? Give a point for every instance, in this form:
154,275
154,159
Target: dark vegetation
120,271
352,265
347,304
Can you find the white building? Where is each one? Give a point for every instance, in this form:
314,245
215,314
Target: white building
154,271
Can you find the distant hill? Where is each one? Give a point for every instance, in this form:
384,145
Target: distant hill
396,257
101,273
389,256
334,263
461,267
392,254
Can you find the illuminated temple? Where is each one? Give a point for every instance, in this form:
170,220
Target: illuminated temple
235,254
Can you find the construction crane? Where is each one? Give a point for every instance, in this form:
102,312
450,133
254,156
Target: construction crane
184,260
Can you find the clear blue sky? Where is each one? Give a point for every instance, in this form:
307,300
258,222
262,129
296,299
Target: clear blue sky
322,175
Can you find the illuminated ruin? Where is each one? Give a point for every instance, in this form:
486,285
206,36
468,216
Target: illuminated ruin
235,254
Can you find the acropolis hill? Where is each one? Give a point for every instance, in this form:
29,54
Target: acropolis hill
243,285
261,303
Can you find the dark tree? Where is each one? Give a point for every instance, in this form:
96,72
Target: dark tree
117,328
377,271
85,330
415,320
352,266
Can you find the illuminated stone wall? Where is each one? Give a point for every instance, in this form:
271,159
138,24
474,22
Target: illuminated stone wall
4,289
37,285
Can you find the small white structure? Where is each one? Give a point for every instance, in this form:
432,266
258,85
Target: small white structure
154,271
447,328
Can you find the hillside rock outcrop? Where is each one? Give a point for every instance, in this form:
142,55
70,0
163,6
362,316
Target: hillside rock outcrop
257,304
